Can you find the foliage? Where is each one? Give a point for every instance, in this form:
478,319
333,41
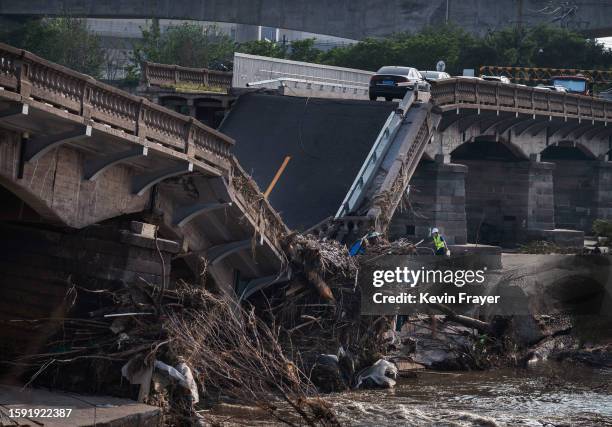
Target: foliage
188,45
602,228
544,247
66,41
264,48
304,50
541,46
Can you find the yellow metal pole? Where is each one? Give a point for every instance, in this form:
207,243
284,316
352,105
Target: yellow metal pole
277,176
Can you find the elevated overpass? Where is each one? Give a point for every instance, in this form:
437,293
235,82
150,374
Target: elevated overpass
353,19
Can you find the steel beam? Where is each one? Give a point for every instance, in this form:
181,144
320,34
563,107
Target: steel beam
141,183
94,168
219,252
37,147
183,214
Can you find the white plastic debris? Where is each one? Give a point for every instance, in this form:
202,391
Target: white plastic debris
191,384
382,373
173,372
182,373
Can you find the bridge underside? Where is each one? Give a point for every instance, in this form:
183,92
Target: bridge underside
354,19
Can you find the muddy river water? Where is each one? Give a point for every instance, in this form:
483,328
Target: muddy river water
547,395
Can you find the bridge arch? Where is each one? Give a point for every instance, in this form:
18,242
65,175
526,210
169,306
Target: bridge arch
488,148
496,190
567,150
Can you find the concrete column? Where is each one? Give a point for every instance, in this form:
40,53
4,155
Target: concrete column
574,183
436,199
192,108
603,191
540,199
496,201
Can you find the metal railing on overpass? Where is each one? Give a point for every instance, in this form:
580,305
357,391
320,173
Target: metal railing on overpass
34,78
173,75
480,94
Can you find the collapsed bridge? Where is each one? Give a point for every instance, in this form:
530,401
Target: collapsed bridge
84,168
486,162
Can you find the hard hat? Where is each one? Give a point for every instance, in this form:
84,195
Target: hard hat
372,234
434,230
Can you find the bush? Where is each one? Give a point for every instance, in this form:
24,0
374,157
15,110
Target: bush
602,228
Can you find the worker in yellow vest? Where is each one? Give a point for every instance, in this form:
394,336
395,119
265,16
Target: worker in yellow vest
440,245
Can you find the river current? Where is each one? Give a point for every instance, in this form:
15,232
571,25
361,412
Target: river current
546,395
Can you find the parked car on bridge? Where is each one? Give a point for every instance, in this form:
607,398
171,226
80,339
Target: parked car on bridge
554,88
434,75
501,79
578,84
393,82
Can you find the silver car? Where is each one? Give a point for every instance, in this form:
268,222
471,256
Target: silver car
434,75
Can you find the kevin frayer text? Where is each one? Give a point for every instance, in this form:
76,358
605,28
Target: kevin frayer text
427,298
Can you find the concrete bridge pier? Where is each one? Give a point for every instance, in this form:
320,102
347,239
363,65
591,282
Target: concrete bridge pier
436,199
510,196
603,189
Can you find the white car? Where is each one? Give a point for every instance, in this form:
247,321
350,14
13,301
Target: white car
555,88
434,75
501,79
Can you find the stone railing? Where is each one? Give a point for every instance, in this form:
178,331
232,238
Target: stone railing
40,80
267,221
172,75
475,93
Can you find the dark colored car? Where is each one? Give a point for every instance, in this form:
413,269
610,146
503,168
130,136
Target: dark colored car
394,82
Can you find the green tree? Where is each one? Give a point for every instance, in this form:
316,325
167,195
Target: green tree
264,48
66,41
188,45
304,50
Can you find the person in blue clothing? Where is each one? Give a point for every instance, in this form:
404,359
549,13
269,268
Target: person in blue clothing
359,247
440,246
